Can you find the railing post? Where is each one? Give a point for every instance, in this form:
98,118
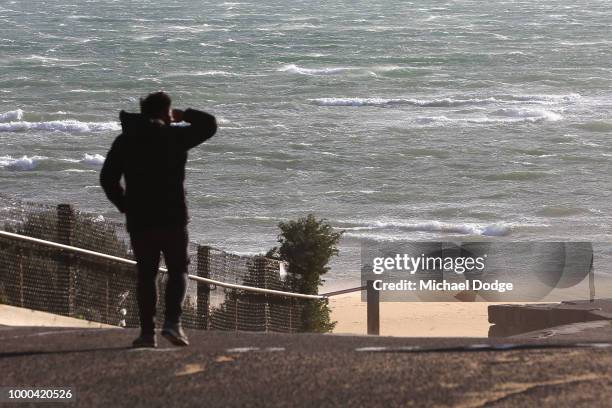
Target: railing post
236,315
266,316
291,315
262,268
21,297
373,309
107,318
203,290
592,285
65,235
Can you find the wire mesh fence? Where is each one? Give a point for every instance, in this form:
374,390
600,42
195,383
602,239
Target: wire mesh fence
58,281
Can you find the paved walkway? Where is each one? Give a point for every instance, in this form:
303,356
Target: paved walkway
224,369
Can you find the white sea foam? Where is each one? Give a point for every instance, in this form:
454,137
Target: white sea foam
11,115
495,229
92,159
433,103
23,163
42,58
12,121
78,171
448,101
68,126
32,162
529,114
502,116
216,73
202,73
92,91
295,69
540,99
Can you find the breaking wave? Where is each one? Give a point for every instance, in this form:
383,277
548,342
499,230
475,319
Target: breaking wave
495,229
12,121
294,69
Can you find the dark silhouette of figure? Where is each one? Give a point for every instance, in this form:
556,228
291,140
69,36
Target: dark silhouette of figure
151,154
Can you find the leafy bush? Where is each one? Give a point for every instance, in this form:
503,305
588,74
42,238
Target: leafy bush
307,245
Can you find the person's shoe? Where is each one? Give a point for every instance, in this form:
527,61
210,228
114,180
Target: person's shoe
174,333
145,341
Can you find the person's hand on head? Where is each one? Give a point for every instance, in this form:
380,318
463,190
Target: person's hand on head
177,115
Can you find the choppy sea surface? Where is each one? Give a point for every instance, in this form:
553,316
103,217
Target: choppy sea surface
395,120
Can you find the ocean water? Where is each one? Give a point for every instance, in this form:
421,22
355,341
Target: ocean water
395,120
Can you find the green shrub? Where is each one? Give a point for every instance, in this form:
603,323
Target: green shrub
307,245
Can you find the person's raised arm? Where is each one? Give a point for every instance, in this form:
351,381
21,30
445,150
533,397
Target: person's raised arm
110,176
202,126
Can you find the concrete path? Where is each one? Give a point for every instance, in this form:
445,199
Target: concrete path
236,369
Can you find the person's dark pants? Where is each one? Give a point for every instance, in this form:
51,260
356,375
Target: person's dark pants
147,246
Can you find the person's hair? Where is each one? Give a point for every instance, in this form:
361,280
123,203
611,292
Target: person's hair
155,104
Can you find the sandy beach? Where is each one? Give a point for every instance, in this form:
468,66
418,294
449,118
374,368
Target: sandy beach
413,319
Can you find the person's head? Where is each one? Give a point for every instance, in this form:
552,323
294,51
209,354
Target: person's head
157,106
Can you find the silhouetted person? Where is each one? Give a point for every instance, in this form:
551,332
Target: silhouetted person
151,154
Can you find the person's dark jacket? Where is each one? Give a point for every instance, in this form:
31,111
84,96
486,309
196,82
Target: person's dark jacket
152,156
